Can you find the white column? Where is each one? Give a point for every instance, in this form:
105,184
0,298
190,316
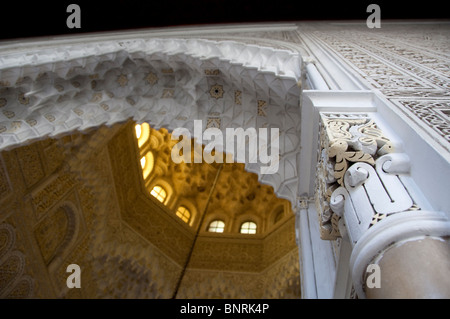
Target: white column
317,260
384,222
343,282
400,247
303,236
324,264
413,255
316,80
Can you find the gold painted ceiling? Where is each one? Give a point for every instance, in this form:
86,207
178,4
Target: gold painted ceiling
82,199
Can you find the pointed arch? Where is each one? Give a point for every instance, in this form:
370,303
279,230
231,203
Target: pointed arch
168,83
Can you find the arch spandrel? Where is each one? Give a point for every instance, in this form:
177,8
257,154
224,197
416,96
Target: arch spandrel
165,82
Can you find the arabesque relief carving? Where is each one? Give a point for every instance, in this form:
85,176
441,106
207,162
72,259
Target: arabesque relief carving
345,139
411,73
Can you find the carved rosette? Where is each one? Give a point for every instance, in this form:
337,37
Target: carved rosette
344,139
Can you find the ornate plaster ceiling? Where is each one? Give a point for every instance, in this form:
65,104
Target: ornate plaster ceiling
166,82
61,89
236,193
220,262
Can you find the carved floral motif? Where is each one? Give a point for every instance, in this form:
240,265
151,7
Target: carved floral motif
344,140
216,91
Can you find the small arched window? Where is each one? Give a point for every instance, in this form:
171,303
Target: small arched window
138,130
147,163
184,214
248,228
143,160
142,132
159,193
216,226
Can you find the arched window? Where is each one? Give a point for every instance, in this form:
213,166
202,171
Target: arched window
138,130
143,160
159,193
147,163
248,228
184,214
216,226
142,132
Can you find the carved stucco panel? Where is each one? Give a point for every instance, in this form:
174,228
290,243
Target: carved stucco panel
344,140
5,187
14,282
407,63
57,186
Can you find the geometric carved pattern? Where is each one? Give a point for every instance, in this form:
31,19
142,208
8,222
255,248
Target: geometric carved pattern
213,122
53,153
436,114
5,188
262,105
412,73
30,164
159,81
279,280
51,233
43,199
216,91
238,97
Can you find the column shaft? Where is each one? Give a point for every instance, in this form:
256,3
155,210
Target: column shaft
414,269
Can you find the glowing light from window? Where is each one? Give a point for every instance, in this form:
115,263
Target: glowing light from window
159,193
216,226
147,163
138,130
142,132
184,214
248,228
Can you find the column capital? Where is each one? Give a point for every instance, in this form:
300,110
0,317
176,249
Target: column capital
362,190
345,139
302,203
371,193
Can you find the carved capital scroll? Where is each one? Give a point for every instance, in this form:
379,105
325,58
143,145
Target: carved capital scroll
345,139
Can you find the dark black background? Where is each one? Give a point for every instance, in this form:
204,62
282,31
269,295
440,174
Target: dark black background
170,309
45,18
